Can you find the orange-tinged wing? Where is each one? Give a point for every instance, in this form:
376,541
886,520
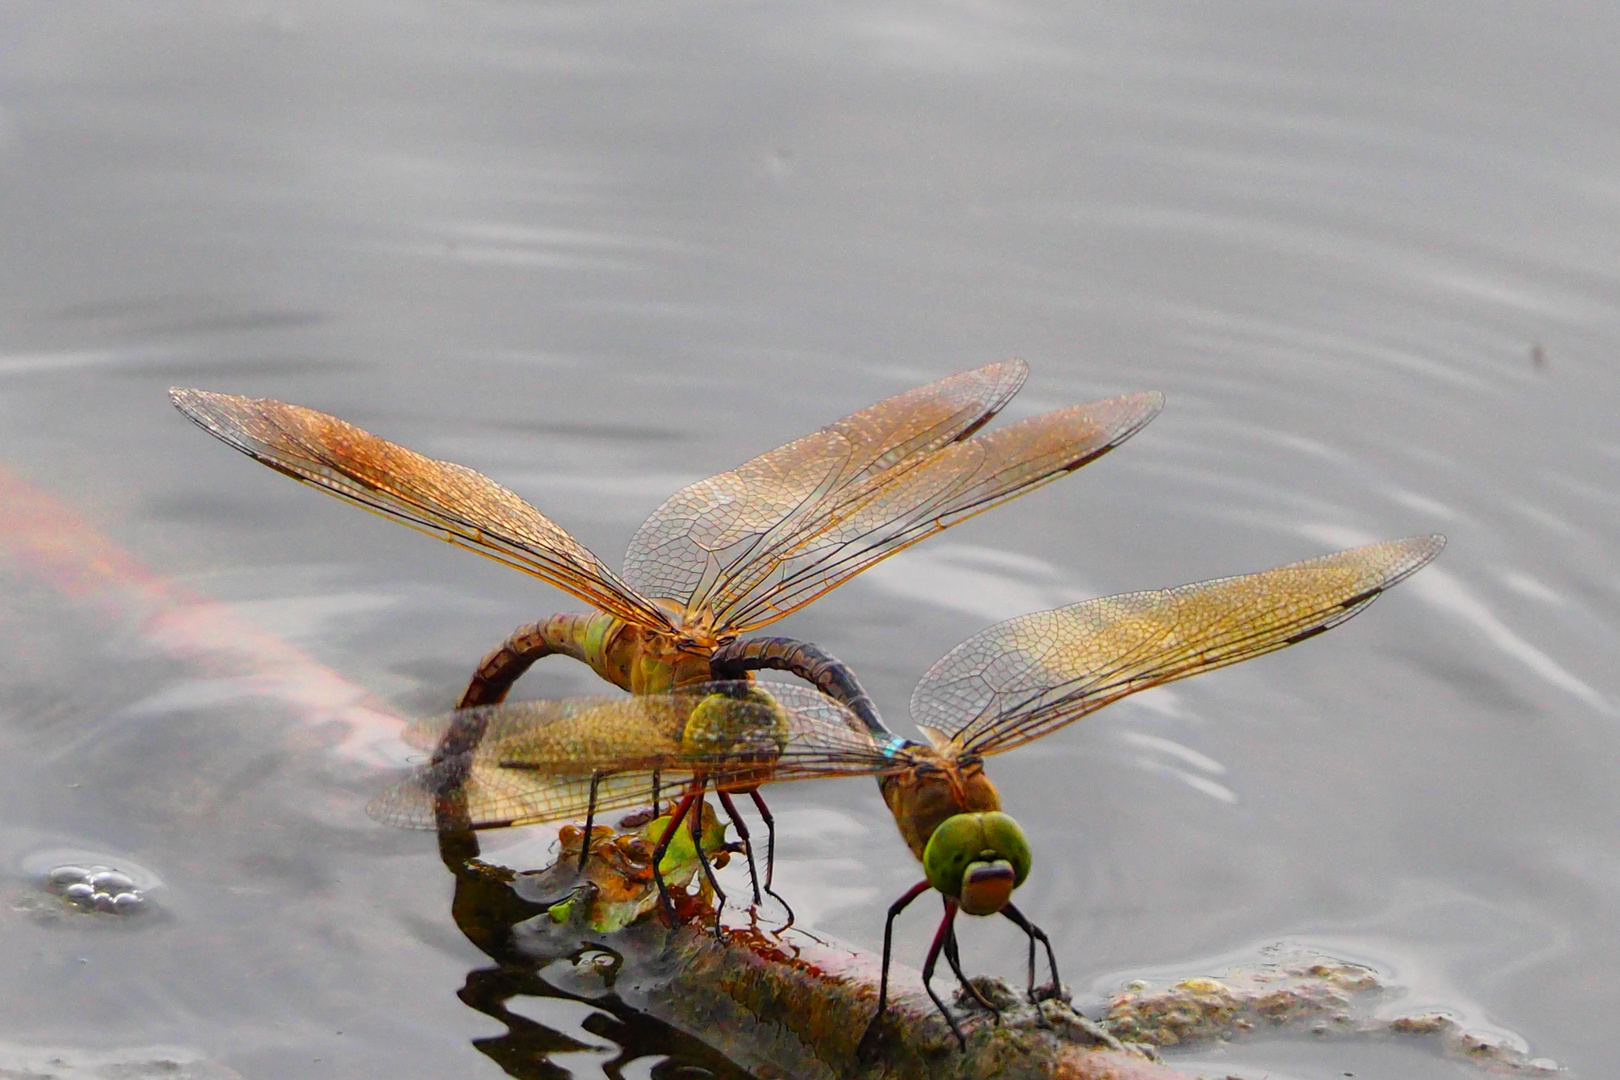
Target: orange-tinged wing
535,760
1026,677
705,533
440,498
892,510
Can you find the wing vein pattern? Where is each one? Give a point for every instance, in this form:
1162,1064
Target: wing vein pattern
1023,678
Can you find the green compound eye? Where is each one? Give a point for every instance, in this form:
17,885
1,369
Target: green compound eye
978,859
750,724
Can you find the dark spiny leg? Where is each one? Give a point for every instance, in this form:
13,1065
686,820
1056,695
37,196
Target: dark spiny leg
870,1039
940,937
742,833
1035,932
770,851
663,845
696,824
954,958
590,822
655,795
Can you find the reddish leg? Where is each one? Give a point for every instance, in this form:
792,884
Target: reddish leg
742,834
695,822
770,851
941,936
675,819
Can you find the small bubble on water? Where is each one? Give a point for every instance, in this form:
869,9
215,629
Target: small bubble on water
62,876
79,891
113,882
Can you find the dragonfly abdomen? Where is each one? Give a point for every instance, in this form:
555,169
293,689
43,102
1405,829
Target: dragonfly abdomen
588,638
809,662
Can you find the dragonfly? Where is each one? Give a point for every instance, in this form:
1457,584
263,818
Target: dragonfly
722,557
1007,685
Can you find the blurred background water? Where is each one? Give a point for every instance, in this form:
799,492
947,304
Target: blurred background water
599,251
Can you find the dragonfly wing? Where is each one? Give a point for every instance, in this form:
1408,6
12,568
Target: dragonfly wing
1020,679
896,509
692,543
440,498
495,798
535,760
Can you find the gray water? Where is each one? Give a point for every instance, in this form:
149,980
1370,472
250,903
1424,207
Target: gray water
598,251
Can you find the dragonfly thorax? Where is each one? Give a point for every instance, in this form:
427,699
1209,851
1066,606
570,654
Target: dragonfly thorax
935,789
978,859
694,628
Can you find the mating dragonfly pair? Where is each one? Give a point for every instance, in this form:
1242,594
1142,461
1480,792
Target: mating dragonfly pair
738,551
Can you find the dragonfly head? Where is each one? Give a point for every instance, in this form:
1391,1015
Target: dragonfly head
978,859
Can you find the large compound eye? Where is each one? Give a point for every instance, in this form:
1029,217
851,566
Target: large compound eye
978,859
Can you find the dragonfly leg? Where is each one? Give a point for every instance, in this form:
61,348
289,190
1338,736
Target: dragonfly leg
742,834
695,821
1035,933
941,936
770,851
675,819
655,795
870,1040
954,958
590,823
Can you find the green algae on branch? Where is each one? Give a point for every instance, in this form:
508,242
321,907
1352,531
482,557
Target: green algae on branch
1301,993
617,886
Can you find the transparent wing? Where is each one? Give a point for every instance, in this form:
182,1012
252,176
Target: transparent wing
1023,678
703,533
442,499
895,509
534,760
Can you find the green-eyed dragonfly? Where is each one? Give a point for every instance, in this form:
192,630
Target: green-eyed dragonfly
722,557
1006,685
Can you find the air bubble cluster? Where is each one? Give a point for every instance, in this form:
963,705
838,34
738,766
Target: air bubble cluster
96,888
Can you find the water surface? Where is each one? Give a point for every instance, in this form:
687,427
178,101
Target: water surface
1367,253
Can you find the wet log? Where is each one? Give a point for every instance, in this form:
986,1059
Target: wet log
783,1002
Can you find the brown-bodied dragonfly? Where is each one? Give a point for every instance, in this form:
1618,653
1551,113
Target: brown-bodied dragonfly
1007,685
722,557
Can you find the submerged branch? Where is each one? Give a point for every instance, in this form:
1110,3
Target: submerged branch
775,1003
